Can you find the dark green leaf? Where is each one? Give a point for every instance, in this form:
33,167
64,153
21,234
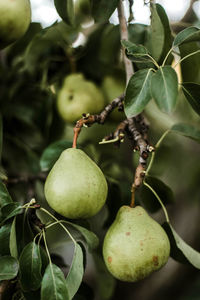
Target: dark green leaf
190,74
157,34
10,210
8,267
192,93
103,9
52,153
75,275
13,240
149,200
30,267
65,9
190,34
136,53
138,92
106,283
181,251
90,238
4,239
4,195
164,88
187,130
53,284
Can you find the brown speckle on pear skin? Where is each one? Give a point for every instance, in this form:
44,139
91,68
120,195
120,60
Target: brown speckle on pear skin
109,259
155,260
128,233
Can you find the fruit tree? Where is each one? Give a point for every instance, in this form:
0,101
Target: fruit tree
99,150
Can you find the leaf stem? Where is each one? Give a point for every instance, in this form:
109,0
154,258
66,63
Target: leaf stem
60,223
45,242
166,57
154,61
158,198
153,153
182,59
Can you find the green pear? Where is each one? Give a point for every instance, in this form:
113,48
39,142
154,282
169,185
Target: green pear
15,20
135,245
113,87
78,96
75,187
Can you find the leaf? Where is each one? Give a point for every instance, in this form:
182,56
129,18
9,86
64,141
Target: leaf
30,267
53,284
187,130
8,267
52,153
13,240
190,34
90,238
10,210
157,37
136,53
180,250
4,195
149,200
190,74
164,88
103,9
138,92
65,9
75,275
192,93
4,239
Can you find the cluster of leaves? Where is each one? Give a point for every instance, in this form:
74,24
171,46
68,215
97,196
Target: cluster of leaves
31,138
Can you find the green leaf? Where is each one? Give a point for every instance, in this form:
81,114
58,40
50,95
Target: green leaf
4,195
192,93
190,74
149,200
10,210
181,251
164,88
52,153
103,9
13,240
138,92
53,284
190,34
30,267
187,130
8,267
75,275
65,9
90,238
157,34
136,53
4,239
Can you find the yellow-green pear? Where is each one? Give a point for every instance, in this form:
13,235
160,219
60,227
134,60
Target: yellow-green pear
78,96
14,21
135,245
75,187
112,88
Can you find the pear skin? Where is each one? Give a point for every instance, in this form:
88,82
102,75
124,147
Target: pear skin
135,245
15,20
75,187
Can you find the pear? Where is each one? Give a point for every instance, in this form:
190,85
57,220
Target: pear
78,96
15,20
113,87
75,187
135,245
